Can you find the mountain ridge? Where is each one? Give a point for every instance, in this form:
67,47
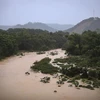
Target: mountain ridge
30,25
38,25
87,24
61,27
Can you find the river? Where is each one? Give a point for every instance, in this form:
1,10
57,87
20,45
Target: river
15,85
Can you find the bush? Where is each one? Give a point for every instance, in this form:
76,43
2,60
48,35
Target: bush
45,67
45,80
61,60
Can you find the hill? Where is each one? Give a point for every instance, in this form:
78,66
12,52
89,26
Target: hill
49,27
3,27
36,26
60,27
30,25
88,24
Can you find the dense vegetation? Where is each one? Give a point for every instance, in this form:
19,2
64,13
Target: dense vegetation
84,57
44,66
15,40
86,45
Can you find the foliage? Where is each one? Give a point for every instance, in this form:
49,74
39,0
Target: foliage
44,66
74,44
16,40
86,44
8,45
61,60
45,79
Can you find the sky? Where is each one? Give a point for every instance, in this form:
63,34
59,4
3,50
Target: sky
14,12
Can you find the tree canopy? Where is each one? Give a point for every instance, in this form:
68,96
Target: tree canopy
14,40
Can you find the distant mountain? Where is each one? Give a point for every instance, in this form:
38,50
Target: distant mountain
36,26
48,27
3,27
61,27
31,26
92,24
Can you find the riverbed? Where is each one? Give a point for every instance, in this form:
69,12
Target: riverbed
16,85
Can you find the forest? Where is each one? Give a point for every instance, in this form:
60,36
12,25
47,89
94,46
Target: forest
13,41
85,45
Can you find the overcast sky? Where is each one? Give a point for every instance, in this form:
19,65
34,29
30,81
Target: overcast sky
47,11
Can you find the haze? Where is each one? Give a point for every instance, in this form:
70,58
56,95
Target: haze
47,11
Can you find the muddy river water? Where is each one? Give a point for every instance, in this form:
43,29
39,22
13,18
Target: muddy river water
15,85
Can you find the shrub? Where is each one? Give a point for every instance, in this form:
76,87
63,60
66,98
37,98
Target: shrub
45,80
45,67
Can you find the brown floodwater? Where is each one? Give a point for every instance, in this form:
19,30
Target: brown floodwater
15,85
